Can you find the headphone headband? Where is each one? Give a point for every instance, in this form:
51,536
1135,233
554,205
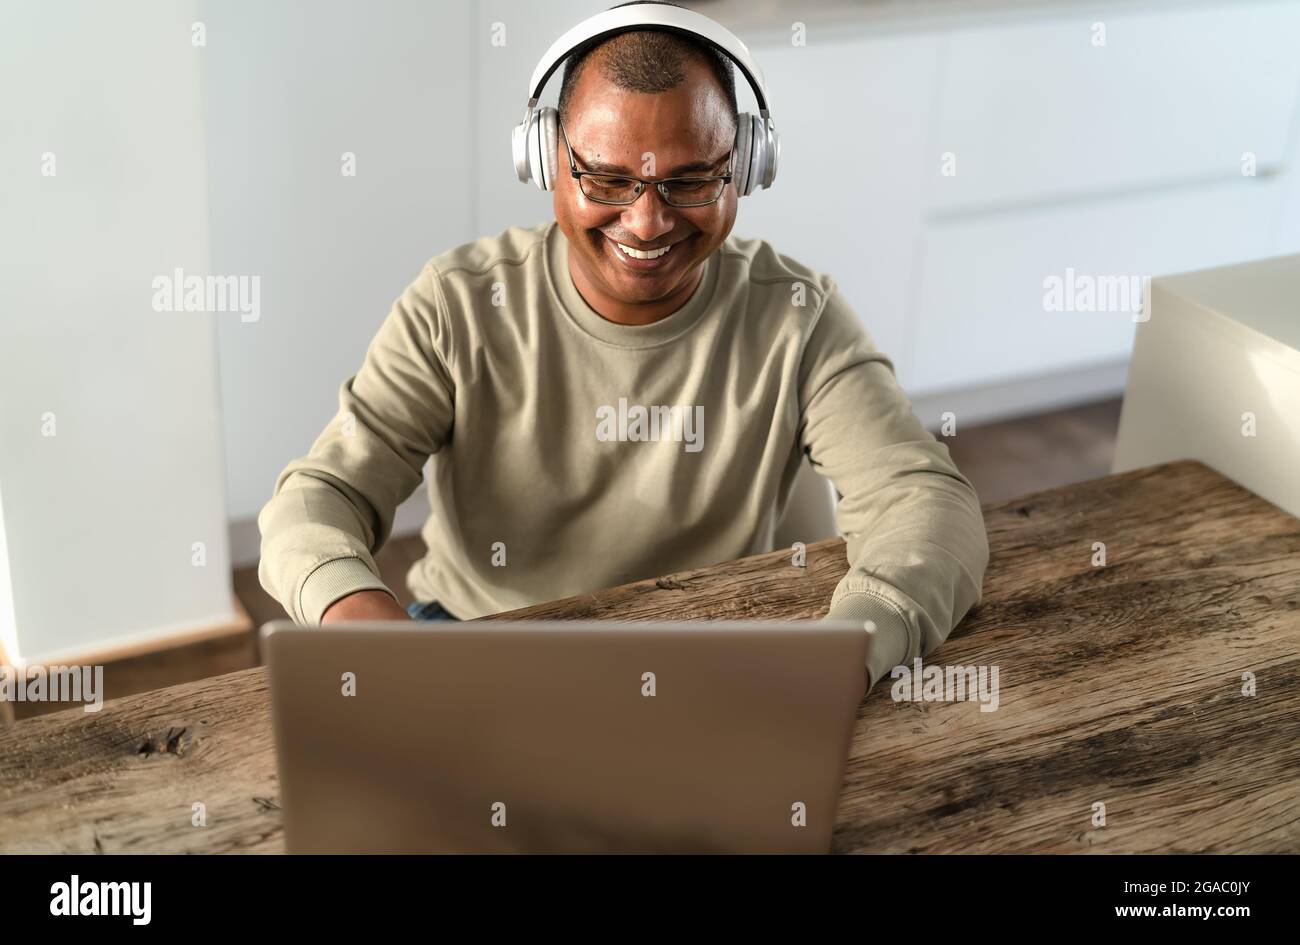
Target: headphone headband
650,15
533,141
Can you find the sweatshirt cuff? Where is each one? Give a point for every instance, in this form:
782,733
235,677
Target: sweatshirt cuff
887,646
332,580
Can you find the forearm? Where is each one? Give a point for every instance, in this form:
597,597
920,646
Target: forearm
316,548
916,565
333,509
917,547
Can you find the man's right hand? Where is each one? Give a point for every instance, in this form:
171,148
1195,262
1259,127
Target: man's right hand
364,605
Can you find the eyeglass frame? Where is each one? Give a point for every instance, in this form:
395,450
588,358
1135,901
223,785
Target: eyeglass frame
641,182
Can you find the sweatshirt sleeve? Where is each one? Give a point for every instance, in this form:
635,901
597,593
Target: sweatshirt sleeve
333,509
917,547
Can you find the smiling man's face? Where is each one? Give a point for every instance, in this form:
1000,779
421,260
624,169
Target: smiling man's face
689,130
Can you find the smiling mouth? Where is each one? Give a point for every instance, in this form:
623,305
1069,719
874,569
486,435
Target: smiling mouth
644,254
642,260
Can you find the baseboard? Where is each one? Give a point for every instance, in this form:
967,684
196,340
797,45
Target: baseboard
152,642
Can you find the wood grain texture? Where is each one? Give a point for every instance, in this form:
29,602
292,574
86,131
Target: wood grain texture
1119,684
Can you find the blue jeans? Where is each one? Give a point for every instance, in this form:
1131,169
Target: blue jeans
429,610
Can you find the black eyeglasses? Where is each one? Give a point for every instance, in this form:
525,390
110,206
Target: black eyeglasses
622,190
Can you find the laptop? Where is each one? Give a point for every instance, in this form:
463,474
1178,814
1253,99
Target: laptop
563,737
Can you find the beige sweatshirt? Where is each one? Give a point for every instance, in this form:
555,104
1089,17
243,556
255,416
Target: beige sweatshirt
570,453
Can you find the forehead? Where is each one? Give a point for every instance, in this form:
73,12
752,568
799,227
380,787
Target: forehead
689,122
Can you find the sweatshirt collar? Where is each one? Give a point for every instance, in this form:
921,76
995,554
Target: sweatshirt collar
625,336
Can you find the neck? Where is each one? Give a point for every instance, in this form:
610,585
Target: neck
632,313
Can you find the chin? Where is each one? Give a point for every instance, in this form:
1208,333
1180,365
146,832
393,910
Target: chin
633,287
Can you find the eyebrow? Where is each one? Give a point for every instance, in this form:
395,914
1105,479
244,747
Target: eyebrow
601,167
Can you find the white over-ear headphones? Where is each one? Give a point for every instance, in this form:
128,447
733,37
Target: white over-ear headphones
535,139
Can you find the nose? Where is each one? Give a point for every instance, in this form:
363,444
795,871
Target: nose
648,218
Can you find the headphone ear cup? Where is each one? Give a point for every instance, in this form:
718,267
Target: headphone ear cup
519,150
771,152
543,139
744,176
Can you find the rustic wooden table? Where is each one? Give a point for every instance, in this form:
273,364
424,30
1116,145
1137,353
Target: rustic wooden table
1120,684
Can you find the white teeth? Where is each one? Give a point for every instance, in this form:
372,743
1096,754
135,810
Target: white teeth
638,254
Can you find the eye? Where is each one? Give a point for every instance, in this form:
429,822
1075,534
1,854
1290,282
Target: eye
690,186
603,187
693,191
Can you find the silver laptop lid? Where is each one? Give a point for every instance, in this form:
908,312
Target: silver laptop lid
563,736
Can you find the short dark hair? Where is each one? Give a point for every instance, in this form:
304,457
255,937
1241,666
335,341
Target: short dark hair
649,60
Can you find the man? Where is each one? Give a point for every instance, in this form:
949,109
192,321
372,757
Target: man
624,393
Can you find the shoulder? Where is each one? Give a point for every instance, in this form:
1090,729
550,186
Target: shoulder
770,285
774,283
767,270
512,247
456,282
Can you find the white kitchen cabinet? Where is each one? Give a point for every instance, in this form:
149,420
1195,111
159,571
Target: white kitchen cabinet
1117,160
1034,113
1216,377
849,183
982,315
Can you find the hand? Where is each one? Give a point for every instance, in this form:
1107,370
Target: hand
364,605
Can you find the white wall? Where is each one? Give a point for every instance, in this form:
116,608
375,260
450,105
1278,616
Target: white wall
100,518
288,87
501,93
